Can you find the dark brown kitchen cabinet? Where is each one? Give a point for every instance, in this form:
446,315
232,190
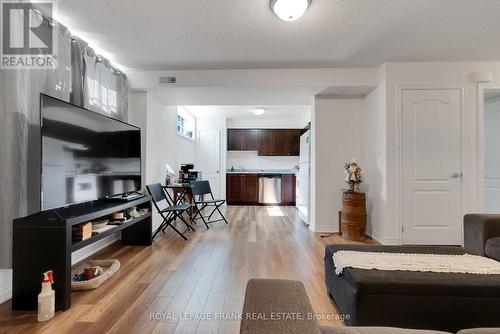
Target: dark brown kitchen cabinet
250,138
242,139
234,188
293,142
234,140
250,189
288,189
268,142
279,142
266,147
242,189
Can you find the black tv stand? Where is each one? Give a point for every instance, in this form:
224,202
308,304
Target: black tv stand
43,241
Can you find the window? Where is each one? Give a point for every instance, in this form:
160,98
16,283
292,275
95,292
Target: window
185,124
101,98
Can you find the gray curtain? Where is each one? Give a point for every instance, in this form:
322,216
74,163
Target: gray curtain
98,86
19,150
81,77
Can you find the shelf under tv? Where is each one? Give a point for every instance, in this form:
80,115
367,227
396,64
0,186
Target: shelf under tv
80,244
43,241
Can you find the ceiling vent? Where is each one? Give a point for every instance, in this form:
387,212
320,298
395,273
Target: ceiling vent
168,80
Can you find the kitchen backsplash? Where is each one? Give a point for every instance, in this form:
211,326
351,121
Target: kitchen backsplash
251,160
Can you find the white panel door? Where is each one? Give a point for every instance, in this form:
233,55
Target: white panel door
208,158
492,155
431,167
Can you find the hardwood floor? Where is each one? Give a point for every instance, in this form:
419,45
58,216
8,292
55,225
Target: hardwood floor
157,286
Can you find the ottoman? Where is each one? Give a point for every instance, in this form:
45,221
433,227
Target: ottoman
425,300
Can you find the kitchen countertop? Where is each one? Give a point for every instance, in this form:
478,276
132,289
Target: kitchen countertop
263,171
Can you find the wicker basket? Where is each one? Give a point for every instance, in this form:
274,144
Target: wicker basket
109,267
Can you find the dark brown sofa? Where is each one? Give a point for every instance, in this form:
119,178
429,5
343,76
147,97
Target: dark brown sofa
425,300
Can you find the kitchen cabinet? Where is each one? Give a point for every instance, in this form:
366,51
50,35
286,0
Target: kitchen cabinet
242,188
293,142
279,142
233,188
250,138
242,139
268,142
234,142
288,189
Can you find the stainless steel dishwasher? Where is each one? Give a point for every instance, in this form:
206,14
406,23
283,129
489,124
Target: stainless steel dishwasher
270,188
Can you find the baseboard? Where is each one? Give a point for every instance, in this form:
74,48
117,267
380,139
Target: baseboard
383,240
5,285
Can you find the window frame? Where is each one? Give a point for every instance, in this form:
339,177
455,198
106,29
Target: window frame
182,112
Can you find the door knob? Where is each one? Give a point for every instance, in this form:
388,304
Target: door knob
456,175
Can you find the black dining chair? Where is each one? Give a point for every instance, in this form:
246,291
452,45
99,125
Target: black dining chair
168,213
200,189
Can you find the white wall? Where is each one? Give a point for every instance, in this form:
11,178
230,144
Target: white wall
437,75
252,160
5,284
163,145
374,160
492,155
337,136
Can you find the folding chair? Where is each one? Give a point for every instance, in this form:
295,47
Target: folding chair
199,189
170,212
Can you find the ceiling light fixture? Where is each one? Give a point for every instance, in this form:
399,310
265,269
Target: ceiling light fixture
289,10
259,111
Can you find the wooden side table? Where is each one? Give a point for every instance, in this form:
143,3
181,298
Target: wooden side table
352,216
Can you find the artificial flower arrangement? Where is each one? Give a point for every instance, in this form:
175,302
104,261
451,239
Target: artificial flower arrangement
353,174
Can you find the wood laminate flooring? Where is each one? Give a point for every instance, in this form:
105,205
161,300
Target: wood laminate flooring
194,286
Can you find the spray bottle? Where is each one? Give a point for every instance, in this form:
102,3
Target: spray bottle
46,298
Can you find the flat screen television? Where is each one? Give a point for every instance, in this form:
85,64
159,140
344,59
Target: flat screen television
85,155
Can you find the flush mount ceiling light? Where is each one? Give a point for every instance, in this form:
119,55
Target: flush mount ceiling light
259,111
289,10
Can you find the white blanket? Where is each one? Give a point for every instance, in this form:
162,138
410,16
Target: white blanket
471,264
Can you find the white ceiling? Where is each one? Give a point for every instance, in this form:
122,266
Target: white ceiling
224,34
244,112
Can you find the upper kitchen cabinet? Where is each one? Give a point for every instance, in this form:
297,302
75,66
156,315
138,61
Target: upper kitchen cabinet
293,142
250,138
269,142
279,142
242,139
234,141
266,142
